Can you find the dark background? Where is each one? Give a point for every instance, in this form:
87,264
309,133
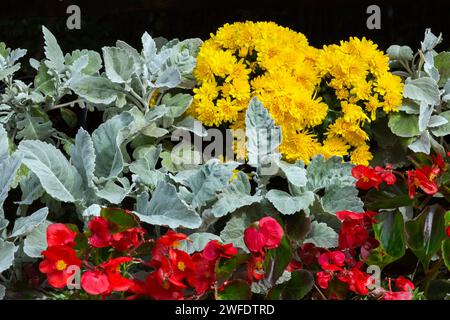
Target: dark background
322,21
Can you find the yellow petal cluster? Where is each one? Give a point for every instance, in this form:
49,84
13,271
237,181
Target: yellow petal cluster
293,80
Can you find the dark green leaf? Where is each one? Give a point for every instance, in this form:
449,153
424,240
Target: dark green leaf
235,290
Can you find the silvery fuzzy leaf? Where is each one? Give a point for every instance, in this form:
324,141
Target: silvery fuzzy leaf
329,173
166,209
287,204
7,250
82,155
6,72
410,107
168,78
396,52
34,63
8,169
58,177
404,125
176,104
442,130
192,125
182,157
4,144
295,173
94,61
4,223
197,242
25,225
144,168
208,181
322,236
149,47
437,121
234,196
342,198
15,55
36,241
92,211
134,54
114,193
263,136
430,40
423,89
33,128
2,292
429,67
319,214
53,52
107,139
31,189
425,114
422,144
96,89
119,65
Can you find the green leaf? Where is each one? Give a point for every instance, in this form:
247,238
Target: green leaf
404,125
322,236
389,230
7,250
442,63
277,260
445,248
121,219
36,241
58,177
119,65
235,196
263,136
96,89
296,288
25,225
396,52
443,130
425,233
438,289
388,197
44,82
287,204
53,53
422,89
82,154
166,209
69,117
235,290
107,140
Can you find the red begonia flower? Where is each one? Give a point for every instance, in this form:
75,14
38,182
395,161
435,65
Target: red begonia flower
404,284
267,235
128,239
353,232
400,295
254,240
58,234
203,276
332,261
419,179
214,249
100,233
438,161
323,278
356,280
56,261
255,268
367,177
94,282
386,174
162,289
448,231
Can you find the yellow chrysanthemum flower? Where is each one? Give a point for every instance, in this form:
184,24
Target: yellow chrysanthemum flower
294,80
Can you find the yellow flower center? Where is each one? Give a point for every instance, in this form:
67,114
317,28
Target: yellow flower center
61,265
181,266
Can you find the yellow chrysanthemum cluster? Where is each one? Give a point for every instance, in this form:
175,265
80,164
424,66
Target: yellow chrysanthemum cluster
277,65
